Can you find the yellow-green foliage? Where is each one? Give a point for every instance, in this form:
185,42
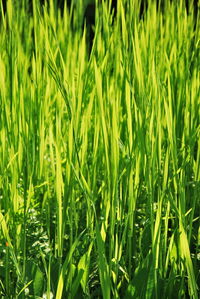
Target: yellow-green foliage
99,152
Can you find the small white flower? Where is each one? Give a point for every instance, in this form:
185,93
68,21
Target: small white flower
45,295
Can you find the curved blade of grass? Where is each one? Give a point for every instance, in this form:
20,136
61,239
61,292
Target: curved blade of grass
63,272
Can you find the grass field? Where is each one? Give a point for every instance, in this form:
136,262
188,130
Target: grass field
99,153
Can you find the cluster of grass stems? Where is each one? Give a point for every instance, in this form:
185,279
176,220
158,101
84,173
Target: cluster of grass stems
99,152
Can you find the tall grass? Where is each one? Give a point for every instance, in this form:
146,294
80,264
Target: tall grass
99,152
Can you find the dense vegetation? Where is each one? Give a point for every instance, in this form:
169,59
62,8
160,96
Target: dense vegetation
99,152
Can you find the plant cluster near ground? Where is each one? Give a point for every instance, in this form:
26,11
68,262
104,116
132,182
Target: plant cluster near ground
99,152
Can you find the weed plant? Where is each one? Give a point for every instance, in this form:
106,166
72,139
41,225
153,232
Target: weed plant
99,152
